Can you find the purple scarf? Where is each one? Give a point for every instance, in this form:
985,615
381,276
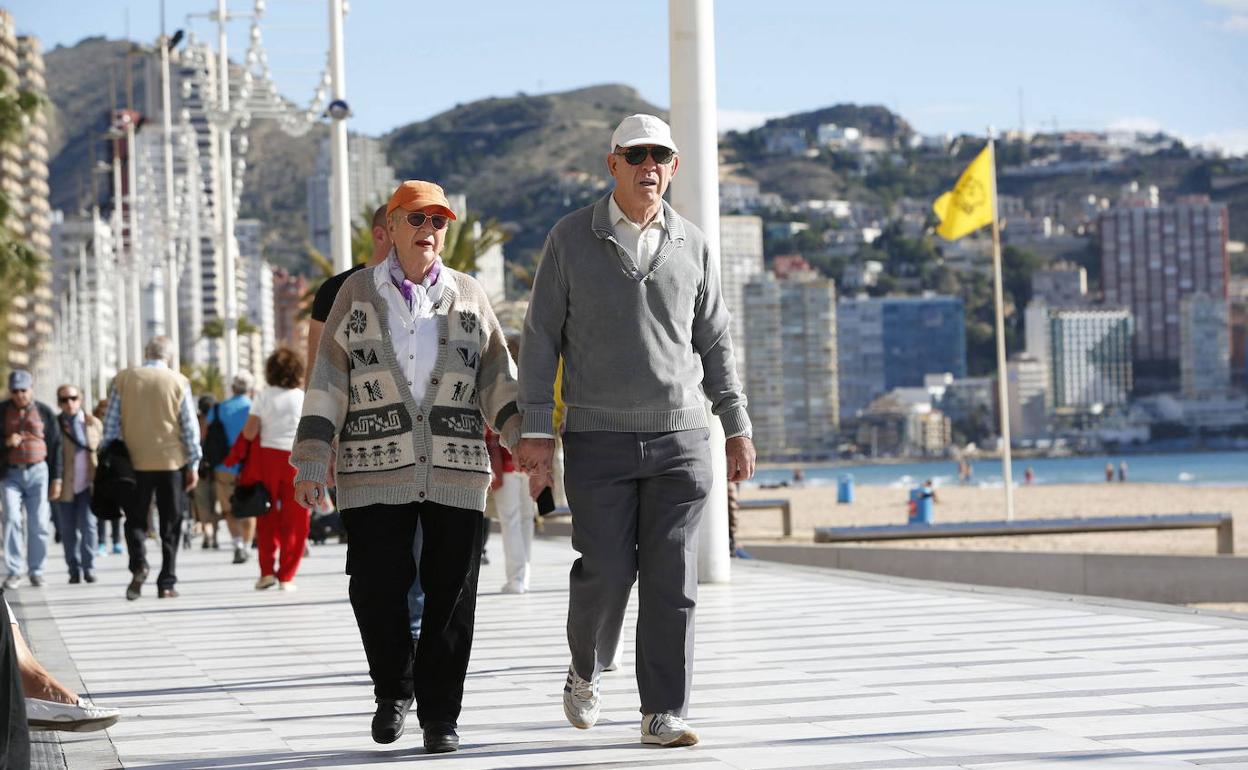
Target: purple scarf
405,285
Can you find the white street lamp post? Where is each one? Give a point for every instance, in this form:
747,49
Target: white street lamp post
226,201
171,256
340,203
695,194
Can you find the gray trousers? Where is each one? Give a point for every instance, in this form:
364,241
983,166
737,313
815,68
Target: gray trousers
636,501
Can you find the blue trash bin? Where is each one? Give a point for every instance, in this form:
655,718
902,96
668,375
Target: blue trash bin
920,506
845,488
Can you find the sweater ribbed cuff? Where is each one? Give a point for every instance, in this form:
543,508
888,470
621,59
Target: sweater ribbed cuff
736,422
538,421
308,470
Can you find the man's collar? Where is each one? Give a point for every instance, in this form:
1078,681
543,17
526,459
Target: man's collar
616,213
158,363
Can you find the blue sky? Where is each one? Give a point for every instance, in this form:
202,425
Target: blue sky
953,65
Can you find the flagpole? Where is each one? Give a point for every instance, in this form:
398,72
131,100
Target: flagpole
1003,390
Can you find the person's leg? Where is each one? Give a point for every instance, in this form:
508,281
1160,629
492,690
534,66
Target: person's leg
65,522
673,496
169,502
449,562
266,542
136,520
379,561
14,523
416,594
294,521
600,477
86,526
38,518
14,733
511,512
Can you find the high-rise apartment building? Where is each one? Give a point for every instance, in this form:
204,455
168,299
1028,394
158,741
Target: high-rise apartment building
1028,380
1152,256
1061,284
1087,352
370,182
83,266
290,324
791,372
1204,345
891,342
24,179
741,261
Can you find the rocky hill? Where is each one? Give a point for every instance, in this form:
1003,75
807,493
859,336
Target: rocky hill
526,160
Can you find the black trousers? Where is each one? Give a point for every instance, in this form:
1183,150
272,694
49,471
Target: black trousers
380,563
167,487
14,734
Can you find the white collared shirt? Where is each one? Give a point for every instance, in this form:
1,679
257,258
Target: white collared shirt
413,331
641,242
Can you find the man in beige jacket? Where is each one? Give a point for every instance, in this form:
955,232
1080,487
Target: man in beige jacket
80,439
152,411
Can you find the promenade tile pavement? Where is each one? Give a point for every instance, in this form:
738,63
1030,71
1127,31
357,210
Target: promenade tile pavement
795,668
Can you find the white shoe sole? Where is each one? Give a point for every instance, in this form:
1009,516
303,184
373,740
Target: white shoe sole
76,726
687,738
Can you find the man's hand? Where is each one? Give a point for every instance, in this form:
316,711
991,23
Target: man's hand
536,456
741,457
54,490
311,494
13,441
191,478
538,482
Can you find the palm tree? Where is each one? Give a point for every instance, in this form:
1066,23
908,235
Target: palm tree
469,238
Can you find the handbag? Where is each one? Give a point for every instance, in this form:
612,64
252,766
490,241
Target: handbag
249,501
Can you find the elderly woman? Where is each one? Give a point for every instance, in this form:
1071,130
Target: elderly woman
412,366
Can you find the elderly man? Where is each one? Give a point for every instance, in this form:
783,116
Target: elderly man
232,414
151,409
80,439
32,479
629,270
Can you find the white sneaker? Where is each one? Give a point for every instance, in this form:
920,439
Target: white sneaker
266,581
667,730
513,588
81,717
289,586
580,701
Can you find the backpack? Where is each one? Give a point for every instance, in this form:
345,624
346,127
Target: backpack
216,443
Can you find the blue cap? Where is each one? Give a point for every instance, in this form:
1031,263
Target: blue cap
20,379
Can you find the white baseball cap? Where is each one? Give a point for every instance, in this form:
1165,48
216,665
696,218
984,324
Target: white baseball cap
642,129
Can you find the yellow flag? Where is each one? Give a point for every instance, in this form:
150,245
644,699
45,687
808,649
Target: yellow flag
968,206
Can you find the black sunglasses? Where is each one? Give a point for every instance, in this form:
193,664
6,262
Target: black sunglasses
417,219
65,399
635,156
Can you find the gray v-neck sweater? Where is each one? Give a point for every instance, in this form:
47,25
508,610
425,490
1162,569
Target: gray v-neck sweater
639,350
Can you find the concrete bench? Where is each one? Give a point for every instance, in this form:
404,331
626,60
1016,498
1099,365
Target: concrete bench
1222,522
785,507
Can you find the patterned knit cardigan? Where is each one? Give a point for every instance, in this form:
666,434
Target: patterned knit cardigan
392,450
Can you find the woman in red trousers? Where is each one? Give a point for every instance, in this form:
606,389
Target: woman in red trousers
282,533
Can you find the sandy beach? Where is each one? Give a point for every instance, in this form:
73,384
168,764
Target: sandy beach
815,506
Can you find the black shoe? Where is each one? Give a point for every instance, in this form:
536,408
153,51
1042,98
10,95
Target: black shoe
206,544
74,578
136,584
440,737
389,719
240,556
88,576
166,593
36,580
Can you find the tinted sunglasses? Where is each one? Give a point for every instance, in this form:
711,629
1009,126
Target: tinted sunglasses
635,156
417,219
65,399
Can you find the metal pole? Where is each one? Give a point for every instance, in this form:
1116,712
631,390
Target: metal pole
695,194
195,285
133,294
171,256
119,247
340,192
97,303
226,201
1003,390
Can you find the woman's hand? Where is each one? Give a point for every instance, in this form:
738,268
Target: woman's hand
311,494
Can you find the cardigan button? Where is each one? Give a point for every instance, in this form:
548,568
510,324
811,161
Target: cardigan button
442,341
422,458
420,494
420,418
434,381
